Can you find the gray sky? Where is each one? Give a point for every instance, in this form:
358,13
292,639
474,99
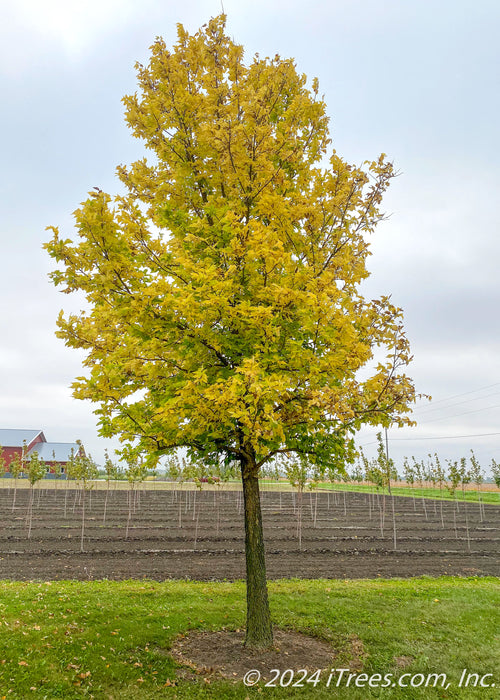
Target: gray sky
415,79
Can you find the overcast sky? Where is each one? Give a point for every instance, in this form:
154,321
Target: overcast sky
416,79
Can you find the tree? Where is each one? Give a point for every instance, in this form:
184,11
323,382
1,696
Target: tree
453,482
465,478
495,470
357,473
112,472
385,463
3,464
409,476
15,469
376,475
387,469
440,478
453,477
477,476
135,473
420,475
36,469
82,468
465,475
57,468
224,314
298,473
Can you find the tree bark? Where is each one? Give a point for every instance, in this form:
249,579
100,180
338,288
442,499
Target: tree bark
259,633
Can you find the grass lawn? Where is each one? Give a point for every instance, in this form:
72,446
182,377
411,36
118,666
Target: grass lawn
109,639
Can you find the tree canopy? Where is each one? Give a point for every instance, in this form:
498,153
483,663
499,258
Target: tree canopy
224,313
223,285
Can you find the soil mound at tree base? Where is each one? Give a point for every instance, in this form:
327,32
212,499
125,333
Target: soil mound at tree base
223,655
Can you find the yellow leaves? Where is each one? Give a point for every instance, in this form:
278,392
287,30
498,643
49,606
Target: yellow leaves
80,677
221,288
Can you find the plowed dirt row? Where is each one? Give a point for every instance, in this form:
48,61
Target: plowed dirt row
163,534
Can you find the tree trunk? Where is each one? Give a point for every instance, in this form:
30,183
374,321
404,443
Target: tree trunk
259,633
30,512
299,517
105,505
82,538
15,491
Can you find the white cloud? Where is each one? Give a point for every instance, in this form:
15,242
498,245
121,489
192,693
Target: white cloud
32,30
74,24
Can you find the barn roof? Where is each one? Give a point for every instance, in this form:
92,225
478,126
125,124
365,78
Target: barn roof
12,437
55,451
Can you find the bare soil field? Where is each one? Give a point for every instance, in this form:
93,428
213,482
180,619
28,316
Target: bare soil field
185,534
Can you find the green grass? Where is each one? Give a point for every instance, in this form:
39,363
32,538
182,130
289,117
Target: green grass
111,639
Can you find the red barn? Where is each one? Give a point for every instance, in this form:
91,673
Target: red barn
26,442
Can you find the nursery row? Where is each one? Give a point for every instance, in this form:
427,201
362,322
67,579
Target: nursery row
73,533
